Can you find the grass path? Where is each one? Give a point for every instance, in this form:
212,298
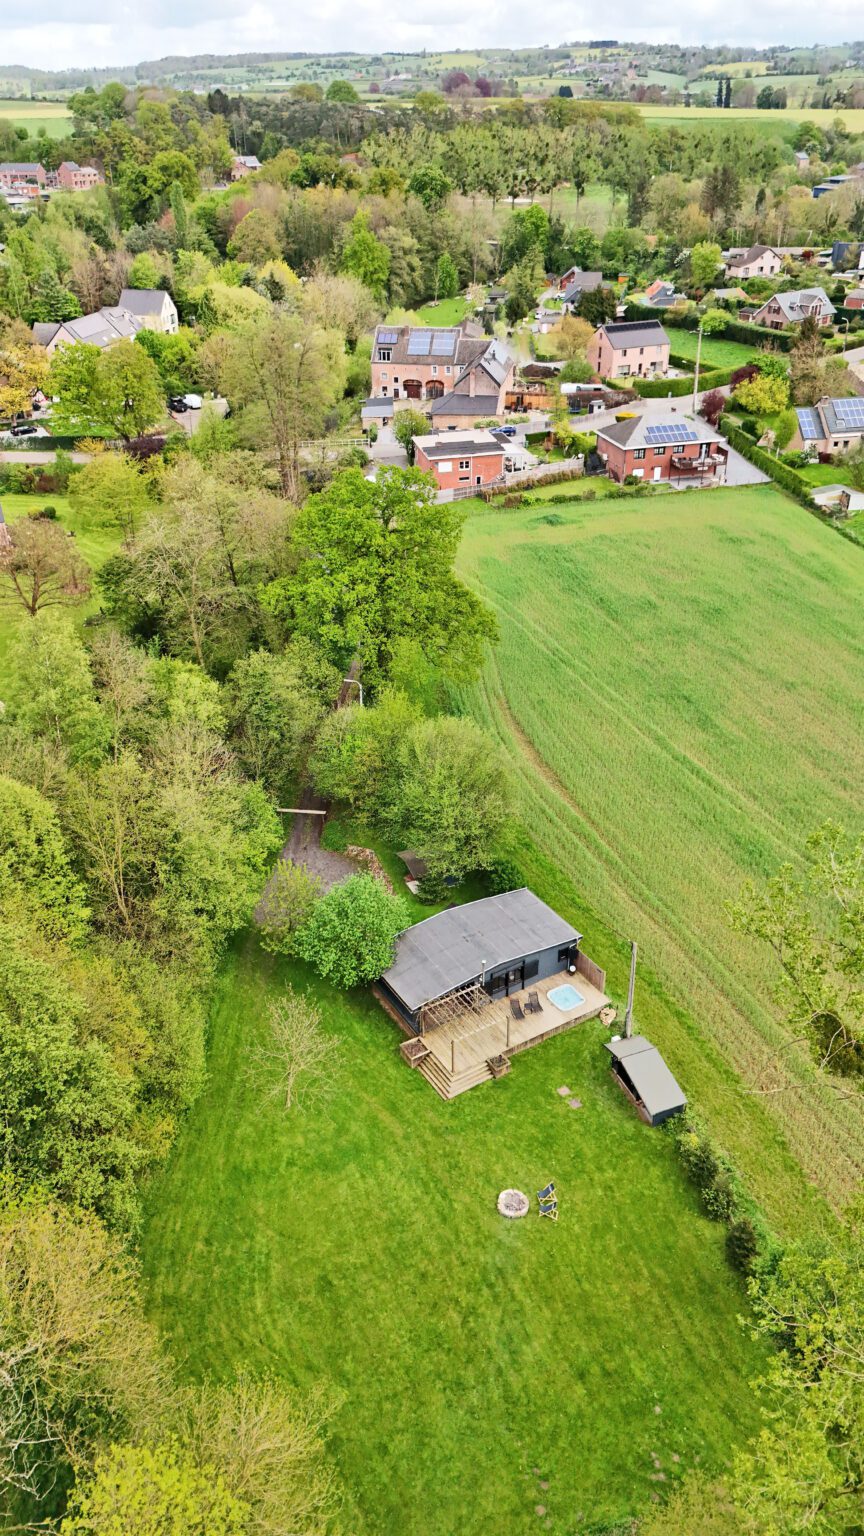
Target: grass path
360,1246
671,684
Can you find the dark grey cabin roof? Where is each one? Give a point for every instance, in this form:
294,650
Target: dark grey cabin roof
454,947
648,1073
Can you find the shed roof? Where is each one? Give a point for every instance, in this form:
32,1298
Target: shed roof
648,1073
453,947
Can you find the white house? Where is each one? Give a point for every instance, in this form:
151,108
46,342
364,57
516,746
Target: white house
153,307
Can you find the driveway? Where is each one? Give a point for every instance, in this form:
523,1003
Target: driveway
739,471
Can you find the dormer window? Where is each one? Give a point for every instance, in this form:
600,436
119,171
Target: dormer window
384,354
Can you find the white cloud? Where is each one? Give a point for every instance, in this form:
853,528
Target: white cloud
67,33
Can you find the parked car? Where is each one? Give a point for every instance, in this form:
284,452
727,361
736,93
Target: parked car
505,431
24,429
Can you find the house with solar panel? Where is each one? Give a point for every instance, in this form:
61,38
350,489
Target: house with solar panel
629,348
831,426
686,451
456,373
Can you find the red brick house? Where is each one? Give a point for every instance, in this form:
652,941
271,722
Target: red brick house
854,299
792,308
458,460
684,451
19,173
629,348
463,374
72,177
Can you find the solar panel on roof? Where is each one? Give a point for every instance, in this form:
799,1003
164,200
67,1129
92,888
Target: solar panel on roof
443,343
388,337
670,434
850,412
418,343
809,422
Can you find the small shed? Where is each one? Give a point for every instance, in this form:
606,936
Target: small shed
646,1079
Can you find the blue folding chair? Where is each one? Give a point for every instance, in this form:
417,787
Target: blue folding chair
550,1210
548,1193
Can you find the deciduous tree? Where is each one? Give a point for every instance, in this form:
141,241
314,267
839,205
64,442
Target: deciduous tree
40,567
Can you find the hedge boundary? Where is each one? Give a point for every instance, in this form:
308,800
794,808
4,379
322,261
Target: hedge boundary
734,330
788,479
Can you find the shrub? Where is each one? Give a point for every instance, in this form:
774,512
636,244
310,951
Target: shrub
504,875
49,512
286,905
763,395
349,935
742,1244
712,406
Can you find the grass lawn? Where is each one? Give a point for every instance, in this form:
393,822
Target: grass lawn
717,352
677,686
95,544
445,312
824,474
358,1244
53,116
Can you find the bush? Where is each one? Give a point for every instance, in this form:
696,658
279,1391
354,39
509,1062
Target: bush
504,875
287,903
49,512
349,936
742,1244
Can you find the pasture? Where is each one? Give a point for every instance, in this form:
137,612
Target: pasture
717,352
357,1244
659,112
677,686
52,116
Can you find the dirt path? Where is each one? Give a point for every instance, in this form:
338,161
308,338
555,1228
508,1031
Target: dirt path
304,847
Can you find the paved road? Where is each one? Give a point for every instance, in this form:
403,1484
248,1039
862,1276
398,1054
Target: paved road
46,456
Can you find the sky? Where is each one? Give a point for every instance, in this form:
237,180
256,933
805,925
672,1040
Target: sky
60,33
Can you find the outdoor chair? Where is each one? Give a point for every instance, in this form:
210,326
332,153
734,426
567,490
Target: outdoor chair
550,1210
548,1193
516,1008
534,1004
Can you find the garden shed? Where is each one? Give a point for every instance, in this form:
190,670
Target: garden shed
646,1079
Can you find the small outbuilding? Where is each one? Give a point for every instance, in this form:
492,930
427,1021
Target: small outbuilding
646,1079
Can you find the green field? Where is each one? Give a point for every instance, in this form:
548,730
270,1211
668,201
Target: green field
716,351
678,687
529,1364
53,116
95,544
853,117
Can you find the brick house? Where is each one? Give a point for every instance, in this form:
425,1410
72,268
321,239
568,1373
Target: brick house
686,450
854,299
460,459
19,173
462,375
71,177
831,426
629,348
153,307
759,261
791,308
244,165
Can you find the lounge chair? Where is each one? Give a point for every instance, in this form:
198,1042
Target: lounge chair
516,1008
548,1193
534,1004
549,1210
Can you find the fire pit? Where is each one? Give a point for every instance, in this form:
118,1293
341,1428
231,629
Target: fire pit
513,1204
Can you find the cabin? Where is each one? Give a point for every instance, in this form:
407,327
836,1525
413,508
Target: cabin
645,1078
475,984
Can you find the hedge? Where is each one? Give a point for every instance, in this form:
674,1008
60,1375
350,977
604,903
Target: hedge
781,474
655,389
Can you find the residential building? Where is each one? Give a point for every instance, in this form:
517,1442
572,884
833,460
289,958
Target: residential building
459,371
758,261
102,329
457,460
802,159
153,307
854,299
630,348
829,184
244,165
71,177
792,308
831,426
662,295
729,295
580,282
18,173
686,450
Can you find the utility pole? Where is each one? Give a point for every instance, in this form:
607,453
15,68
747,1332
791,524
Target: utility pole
696,374
628,1017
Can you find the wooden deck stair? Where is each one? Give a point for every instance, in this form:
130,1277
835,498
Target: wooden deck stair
448,1085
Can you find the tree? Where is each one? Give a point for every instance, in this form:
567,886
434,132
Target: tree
705,259
111,492
597,305
376,565
275,705
139,1491
297,1056
114,390
350,934
289,896
285,374
714,321
853,467
570,339
430,184
23,371
365,257
40,567
341,90
713,406
814,927
143,272
446,277
50,300
34,863
408,424
454,795
79,1364
256,238
762,395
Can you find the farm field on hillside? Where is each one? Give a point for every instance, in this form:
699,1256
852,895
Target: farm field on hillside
717,352
674,681
853,117
53,116
359,1245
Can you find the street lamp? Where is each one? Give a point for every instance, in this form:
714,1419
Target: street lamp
356,685
698,360
845,324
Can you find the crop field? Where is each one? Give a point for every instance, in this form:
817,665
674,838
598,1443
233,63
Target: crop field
678,686
358,1245
717,352
853,117
53,116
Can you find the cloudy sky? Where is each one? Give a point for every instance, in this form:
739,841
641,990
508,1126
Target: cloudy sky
58,33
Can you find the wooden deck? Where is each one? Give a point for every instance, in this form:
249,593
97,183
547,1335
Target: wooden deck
460,1051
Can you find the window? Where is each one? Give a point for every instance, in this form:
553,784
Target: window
638,453
447,368
623,351
434,370
530,969
659,451
386,376
564,956
680,449
464,463
384,354
641,350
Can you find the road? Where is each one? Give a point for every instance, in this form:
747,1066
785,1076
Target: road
46,456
